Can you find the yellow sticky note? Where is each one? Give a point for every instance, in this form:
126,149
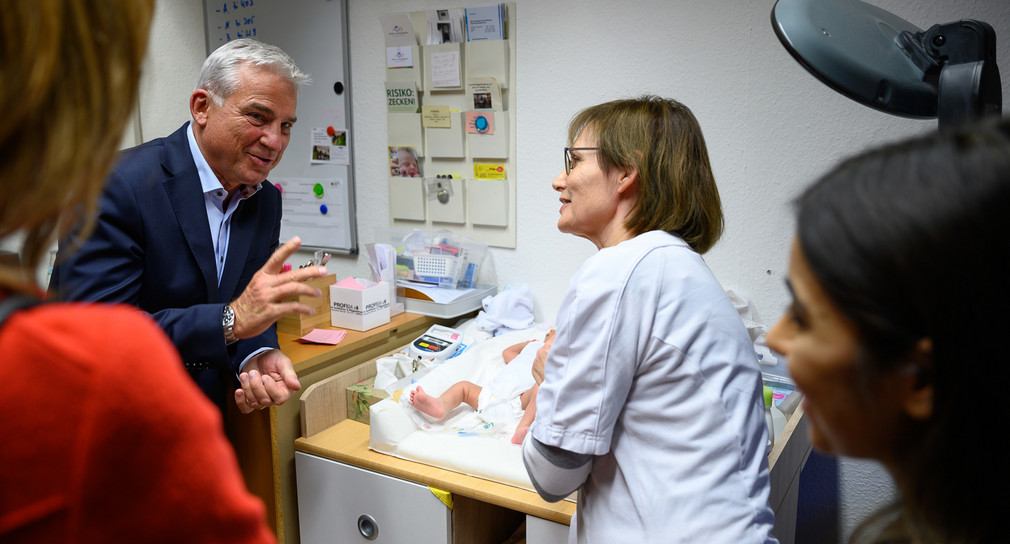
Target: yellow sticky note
488,171
435,117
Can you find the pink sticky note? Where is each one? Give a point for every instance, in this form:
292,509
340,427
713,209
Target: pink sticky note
350,283
324,336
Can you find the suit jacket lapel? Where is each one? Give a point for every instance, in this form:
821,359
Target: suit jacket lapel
186,195
243,227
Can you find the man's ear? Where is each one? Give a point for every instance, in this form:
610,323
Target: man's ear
199,104
917,389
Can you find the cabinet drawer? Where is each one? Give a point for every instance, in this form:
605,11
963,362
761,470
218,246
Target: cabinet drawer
541,531
333,497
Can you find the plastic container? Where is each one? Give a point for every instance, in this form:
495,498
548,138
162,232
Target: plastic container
440,258
774,417
438,269
769,421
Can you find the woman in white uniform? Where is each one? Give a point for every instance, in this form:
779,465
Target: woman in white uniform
651,403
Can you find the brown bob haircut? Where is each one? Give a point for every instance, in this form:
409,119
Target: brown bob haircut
69,78
660,138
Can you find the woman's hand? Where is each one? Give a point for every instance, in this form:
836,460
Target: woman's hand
541,358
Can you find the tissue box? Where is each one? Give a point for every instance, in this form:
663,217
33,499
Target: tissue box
360,397
359,309
299,324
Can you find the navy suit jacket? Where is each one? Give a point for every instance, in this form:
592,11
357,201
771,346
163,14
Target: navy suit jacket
152,248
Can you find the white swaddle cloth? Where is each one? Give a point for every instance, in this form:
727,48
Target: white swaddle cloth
501,384
499,401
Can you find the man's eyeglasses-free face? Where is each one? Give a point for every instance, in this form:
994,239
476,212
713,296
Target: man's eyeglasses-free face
568,156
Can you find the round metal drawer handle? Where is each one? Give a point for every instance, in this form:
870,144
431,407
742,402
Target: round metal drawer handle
368,527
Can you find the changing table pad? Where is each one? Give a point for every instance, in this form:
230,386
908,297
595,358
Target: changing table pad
462,441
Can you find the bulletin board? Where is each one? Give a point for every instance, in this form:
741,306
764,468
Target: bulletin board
452,152
315,175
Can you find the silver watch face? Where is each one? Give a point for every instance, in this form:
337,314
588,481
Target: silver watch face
228,316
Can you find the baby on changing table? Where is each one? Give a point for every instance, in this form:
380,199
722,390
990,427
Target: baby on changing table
511,393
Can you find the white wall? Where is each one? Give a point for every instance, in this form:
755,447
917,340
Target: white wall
771,127
174,56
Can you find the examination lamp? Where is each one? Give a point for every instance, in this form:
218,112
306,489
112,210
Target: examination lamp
878,59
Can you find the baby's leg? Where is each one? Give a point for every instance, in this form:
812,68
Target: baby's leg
457,394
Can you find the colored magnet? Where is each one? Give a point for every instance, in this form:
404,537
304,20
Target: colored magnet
330,131
318,190
323,209
480,123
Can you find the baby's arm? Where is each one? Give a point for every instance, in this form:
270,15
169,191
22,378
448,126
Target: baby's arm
513,351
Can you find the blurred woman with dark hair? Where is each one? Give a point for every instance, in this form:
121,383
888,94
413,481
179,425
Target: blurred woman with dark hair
896,332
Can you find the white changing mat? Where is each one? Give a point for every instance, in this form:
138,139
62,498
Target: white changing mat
461,442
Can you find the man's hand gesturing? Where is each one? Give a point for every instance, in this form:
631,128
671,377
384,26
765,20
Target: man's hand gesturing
263,301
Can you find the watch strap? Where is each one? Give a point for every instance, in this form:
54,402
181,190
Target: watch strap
228,324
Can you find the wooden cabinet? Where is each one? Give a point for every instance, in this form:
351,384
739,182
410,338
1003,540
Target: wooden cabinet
264,440
342,503
482,511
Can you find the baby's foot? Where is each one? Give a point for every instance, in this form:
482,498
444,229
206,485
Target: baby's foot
426,403
520,434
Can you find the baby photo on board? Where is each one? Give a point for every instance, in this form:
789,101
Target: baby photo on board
403,162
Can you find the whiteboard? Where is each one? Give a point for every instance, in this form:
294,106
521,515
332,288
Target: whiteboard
317,184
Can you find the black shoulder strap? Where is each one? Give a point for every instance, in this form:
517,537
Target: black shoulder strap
14,303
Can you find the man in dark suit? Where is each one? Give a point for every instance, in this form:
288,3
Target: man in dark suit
188,230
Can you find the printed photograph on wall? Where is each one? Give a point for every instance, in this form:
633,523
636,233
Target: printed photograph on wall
329,146
403,162
321,153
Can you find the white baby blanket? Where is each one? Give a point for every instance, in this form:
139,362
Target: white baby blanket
462,441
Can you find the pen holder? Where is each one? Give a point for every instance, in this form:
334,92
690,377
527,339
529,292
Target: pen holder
299,324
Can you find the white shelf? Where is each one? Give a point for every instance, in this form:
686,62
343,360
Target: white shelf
456,308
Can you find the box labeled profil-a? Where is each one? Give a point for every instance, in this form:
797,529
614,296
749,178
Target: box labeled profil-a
359,309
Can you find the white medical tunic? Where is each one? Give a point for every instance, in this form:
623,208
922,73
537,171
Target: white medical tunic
653,373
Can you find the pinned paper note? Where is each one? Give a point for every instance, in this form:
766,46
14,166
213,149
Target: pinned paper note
401,97
329,146
435,117
445,69
488,171
445,26
399,57
479,122
486,22
398,30
485,92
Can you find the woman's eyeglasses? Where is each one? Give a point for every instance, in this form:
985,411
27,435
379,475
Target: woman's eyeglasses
568,156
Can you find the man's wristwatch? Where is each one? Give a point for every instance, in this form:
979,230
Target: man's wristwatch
228,324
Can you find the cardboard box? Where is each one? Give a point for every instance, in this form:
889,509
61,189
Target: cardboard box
360,397
299,324
359,309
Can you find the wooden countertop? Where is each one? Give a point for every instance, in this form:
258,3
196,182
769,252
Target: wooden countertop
305,356
347,442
